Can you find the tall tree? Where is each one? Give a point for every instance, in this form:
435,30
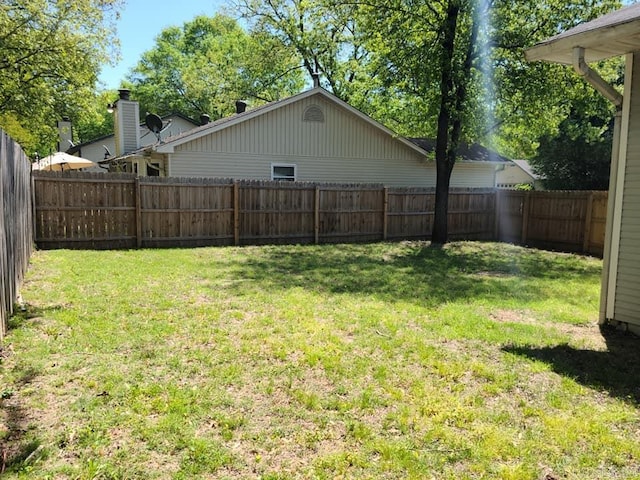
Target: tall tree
463,62
50,55
209,63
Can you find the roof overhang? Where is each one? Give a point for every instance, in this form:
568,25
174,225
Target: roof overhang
611,35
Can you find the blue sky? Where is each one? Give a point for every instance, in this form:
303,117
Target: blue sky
139,24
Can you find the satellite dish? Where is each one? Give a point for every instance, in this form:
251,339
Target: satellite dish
154,123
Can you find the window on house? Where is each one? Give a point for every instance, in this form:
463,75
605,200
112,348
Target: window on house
153,169
281,171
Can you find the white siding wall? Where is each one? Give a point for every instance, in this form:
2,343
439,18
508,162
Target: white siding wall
513,175
627,298
342,149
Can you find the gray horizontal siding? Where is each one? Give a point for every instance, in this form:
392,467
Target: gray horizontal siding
627,297
403,172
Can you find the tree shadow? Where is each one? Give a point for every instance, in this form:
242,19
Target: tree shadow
18,446
27,313
615,371
416,272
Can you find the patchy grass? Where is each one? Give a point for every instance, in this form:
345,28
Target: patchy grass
347,361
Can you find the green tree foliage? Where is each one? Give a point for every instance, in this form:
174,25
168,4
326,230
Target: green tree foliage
459,67
326,37
578,155
95,121
50,55
209,63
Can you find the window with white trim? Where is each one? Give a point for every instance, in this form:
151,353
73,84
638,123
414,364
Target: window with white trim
283,171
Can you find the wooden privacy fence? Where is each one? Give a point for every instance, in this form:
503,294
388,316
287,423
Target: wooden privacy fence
16,234
567,221
83,210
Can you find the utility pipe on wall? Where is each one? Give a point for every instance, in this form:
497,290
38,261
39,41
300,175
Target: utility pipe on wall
611,94
595,80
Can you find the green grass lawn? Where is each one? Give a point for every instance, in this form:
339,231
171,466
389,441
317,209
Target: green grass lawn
382,361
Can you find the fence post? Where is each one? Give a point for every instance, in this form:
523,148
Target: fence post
525,218
316,216
236,213
496,219
136,187
385,216
586,244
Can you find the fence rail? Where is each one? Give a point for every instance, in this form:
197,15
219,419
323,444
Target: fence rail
16,227
84,210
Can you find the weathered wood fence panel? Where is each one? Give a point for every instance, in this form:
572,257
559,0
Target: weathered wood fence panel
472,215
16,223
566,221
79,210
185,212
84,210
275,212
351,213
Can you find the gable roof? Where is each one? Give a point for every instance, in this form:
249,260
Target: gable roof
611,35
526,167
466,153
169,144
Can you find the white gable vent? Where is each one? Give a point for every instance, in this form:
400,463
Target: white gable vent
313,113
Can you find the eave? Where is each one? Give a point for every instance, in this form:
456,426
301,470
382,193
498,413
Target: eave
611,35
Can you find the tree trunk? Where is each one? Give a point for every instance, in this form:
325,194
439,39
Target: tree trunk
440,231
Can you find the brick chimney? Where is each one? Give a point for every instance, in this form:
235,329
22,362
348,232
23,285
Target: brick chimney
127,123
65,133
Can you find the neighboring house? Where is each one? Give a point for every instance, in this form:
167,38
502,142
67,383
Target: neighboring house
615,34
516,173
104,147
312,136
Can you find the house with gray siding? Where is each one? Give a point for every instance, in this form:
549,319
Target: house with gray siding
139,135
612,35
309,137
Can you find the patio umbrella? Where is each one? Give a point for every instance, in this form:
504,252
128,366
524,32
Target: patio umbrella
62,161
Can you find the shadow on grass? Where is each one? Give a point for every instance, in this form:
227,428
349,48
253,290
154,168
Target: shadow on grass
27,312
615,371
416,272
18,448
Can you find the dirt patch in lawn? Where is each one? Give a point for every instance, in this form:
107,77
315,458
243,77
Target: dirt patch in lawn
587,334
